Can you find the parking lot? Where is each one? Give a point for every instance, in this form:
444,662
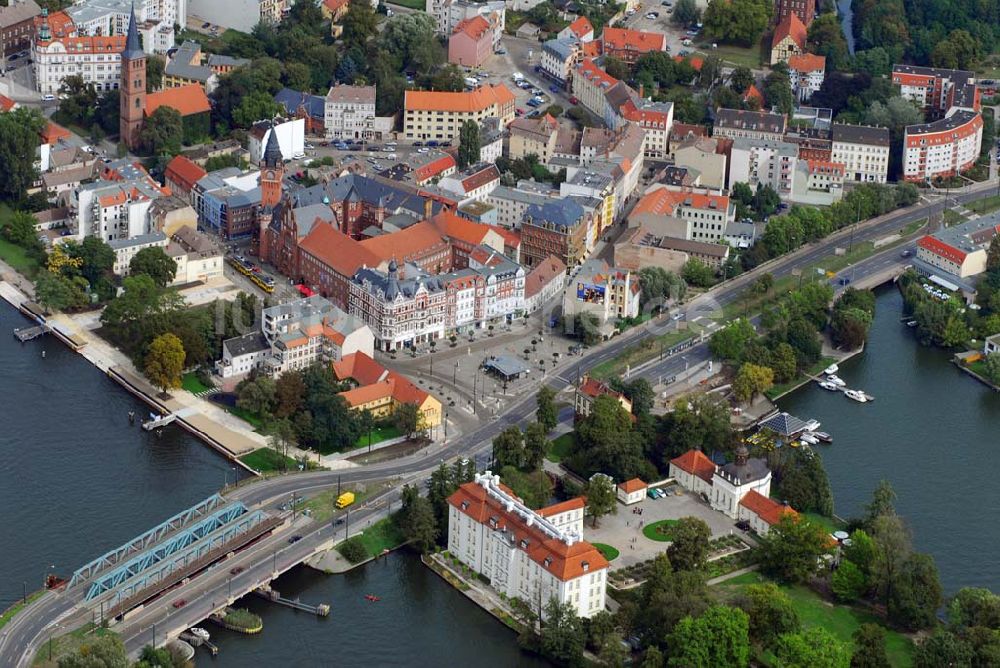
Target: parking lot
676,35
620,530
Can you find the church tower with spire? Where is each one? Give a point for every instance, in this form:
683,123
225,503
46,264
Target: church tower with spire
272,171
133,87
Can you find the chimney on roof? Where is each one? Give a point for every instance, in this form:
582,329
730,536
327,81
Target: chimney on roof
641,89
428,207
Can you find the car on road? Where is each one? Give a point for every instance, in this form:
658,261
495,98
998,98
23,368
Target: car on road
418,143
573,99
48,98
205,25
653,15
906,253
844,280
338,522
236,570
432,143
501,51
294,539
553,88
179,603
423,149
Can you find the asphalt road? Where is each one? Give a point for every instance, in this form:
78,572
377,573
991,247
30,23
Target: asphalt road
27,630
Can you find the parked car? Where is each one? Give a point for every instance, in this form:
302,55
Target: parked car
553,88
418,143
652,15
236,570
48,98
432,143
180,603
501,51
294,539
573,99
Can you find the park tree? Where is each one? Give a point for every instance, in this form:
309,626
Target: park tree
973,606
154,73
536,444
686,13
97,258
19,130
719,638
689,549
916,593
281,436
893,548
601,498
729,342
958,51
607,442
814,647
740,79
442,484
943,648
825,38
563,636
653,658
156,264
737,21
253,107
469,141
508,448
616,68
546,413
165,362
802,480
155,657
58,292
667,597
697,273
777,89
993,255
409,419
848,583
783,362
257,395
771,613
289,393
862,552
751,380
106,651
163,132
360,23
660,287
451,79
698,423
416,520
790,549
869,647
409,40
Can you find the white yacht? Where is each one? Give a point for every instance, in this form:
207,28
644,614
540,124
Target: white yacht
836,380
857,395
199,632
827,385
832,369
811,425
809,438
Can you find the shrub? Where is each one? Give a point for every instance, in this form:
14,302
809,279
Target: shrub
353,550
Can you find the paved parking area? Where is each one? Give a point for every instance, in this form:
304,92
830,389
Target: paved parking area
620,530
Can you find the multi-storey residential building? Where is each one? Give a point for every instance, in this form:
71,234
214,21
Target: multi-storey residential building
126,249
789,39
804,9
627,45
474,182
559,56
704,155
156,20
448,14
557,227
656,118
503,284
737,124
950,141
471,42
765,162
533,136
350,112
17,26
380,392
198,258
806,72
437,115
590,85
817,182
608,293
465,289
863,150
181,176
685,215
590,389
958,251
402,310
112,210
240,15
97,60
188,65
512,204
543,283
523,553
580,29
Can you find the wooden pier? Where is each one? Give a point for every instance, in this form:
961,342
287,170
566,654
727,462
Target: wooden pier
28,333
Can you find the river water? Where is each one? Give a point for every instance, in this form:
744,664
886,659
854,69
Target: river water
932,431
76,479
847,22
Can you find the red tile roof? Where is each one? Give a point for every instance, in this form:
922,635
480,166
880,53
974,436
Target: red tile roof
621,39
184,172
665,202
580,27
375,382
631,486
53,133
6,104
565,562
938,247
60,24
407,243
564,507
453,226
481,178
595,388
696,463
474,27
791,26
769,510
435,167
753,94
694,61
461,102
360,367
511,238
543,273
336,250
807,62
188,100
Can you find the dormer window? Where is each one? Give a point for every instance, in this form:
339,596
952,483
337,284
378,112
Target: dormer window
547,562
586,566
465,505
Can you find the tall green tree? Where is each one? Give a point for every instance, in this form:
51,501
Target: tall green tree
163,132
416,519
751,380
155,65
740,79
719,638
19,130
869,647
943,648
165,362
106,651
883,503
827,39
508,448
360,23
468,144
689,549
256,106
686,13
563,635
536,444
729,342
737,21
790,549
601,498
409,419
545,402
771,613
916,593
156,264
257,396
777,89
814,647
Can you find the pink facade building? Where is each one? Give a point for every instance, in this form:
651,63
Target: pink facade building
471,44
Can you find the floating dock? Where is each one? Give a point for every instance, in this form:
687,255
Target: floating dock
28,333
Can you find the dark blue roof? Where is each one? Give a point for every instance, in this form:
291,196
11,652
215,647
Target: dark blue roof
560,212
133,47
291,100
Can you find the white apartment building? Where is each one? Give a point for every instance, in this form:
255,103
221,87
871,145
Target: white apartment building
806,72
656,118
465,289
763,161
402,310
97,60
350,112
126,249
695,216
863,150
738,124
156,20
449,13
112,210
440,115
559,56
523,553
503,283
942,148
512,203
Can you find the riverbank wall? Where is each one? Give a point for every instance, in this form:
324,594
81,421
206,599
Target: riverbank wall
13,296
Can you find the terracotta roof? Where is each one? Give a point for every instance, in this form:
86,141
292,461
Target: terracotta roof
188,100
406,392
404,244
592,49
511,238
807,62
462,102
580,27
753,94
183,171
60,25
595,388
432,169
590,71
336,250
634,40
481,178
366,394
939,247
696,463
665,202
334,6
681,130
86,44
825,167
542,274
769,510
454,226
791,26
359,366
631,486
474,27
565,562
53,133
6,104
563,507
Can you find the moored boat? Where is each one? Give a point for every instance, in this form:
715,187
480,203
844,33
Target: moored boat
836,380
809,438
832,369
857,395
827,385
823,436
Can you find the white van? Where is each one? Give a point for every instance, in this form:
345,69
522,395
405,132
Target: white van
516,76
471,82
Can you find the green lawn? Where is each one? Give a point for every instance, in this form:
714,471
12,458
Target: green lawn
61,646
560,447
734,55
266,460
412,4
950,217
246,415
840,620
381,536
661,531
191,383
985,205
378,435
321,507
828,523
609,552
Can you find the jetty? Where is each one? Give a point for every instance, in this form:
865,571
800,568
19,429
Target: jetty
28,333
195,641
274,596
